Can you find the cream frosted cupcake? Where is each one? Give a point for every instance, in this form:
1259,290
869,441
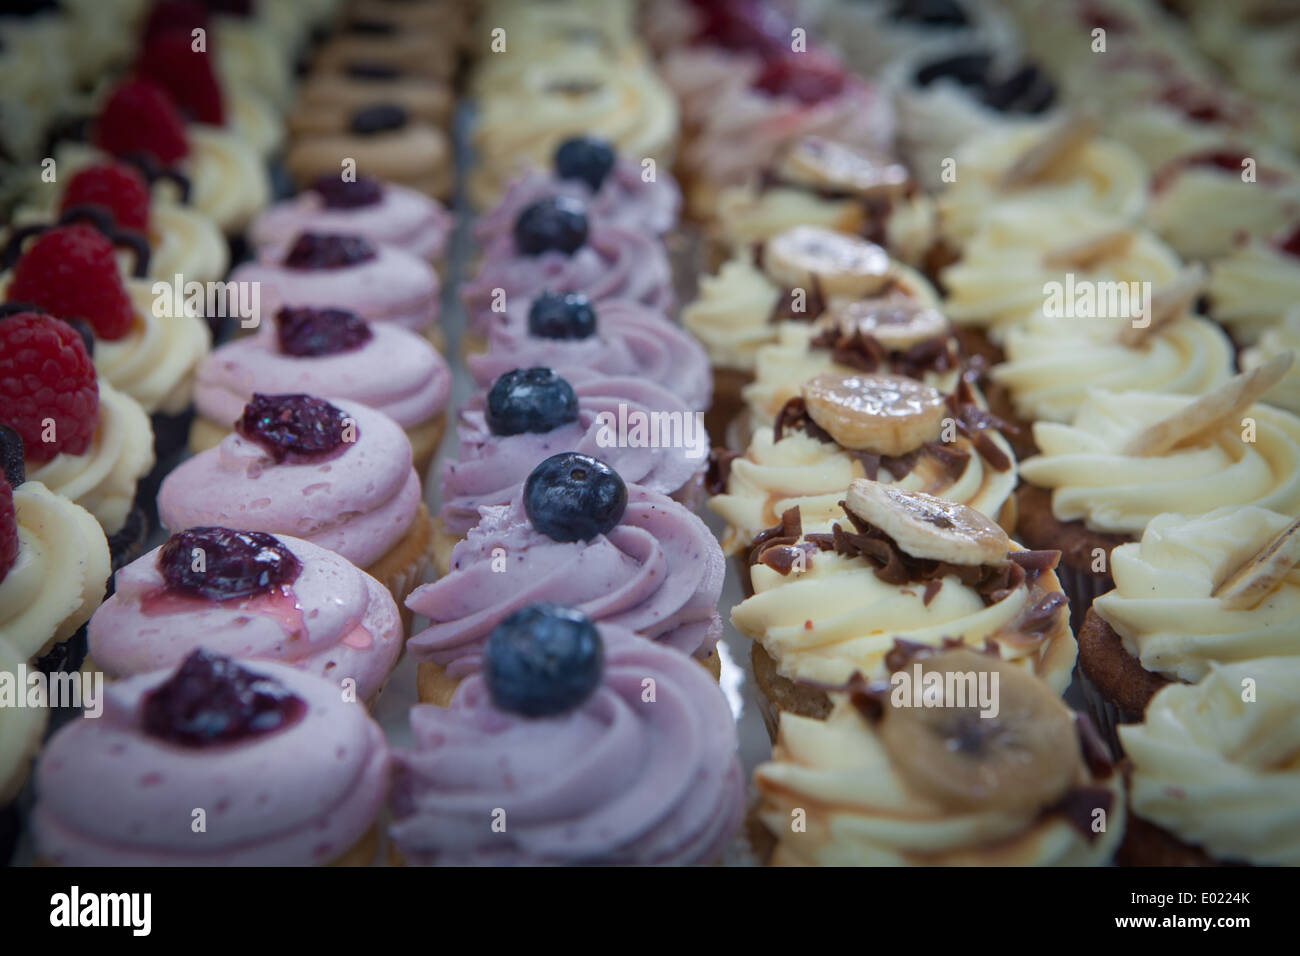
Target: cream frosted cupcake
1274,342
879,784
1254,285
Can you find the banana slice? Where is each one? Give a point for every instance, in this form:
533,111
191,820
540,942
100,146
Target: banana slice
928,527
1024,758
1262,573
881,414
896,323
825,164
839,264
1211,411
1168,304
1057,144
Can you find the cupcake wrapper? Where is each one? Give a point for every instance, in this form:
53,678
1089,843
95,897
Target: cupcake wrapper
127,544
1081,588
403,568
1105,715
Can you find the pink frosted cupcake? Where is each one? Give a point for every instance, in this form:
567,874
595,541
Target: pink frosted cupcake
586,169
335,472
286,771
259,597
577,535
385,213
576,337
553,246
558,734
336,271
315,351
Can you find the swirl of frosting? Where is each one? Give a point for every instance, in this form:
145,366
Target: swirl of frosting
630,339
1252,287
491,469
229,180
21,732
1052,362
658,572
861,811
1163,605
186,243
395,372
109,794
254,121
58,578
1092,479
334,621
614,264
1219,770
615,781
1272,343
359,503
402,217
103,478
394,286
747,214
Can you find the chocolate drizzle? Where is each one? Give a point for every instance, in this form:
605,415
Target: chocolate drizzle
719,470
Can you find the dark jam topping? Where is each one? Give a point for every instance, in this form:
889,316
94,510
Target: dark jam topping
211,701
313,250
295,428
309,333
221,565
340,194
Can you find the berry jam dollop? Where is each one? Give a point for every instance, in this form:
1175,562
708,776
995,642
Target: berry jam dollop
574,497
543,660
314,250
221,565
295,428
339,194
309,333
211,701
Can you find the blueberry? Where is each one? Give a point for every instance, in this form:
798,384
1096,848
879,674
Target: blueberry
542,661
11,456
574,497
585,158
235,564
554,316
530,400
968,69
554,224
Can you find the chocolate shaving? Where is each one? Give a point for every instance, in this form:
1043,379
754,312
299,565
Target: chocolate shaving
784,535
931,589
868,698
1078,806
794,416
976,424
814,304
718,472
952,459
858,350
1095,753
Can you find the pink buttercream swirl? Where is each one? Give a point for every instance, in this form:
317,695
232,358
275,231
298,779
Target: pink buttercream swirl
619,780
359,503
658,572
492,469
108,794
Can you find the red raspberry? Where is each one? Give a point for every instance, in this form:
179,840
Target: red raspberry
170,60
139,118
168,15
116,187
8,529
46,373
71,272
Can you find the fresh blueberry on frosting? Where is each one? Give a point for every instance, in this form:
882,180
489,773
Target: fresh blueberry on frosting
574,497
11,456
309,333
313,250
542,661
584,158
338,193
294,428
553,224
555,316
1025,90
530,400
221,565
211,700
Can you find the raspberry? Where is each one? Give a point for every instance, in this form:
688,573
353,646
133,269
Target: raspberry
71,272
170,60
46,373
8,529
139,118
171,15
116,187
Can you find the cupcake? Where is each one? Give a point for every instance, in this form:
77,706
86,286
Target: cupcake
335,473
902,566
360,85
1255,284
301,606
1274,342
956,780
530,726
387,214
578,535
21,734
314,351
578,337
295,774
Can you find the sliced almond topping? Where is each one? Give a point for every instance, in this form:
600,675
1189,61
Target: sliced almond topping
1056,145
1261,574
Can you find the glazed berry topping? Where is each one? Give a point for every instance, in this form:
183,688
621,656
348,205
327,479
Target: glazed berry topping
1289,242
11,456
339,194
46,373
170,60
140,118
118,189
529,400
585,158
307,333
314,250
555,316
542,661
747,25
930,13
554,224
211,700
808,77
71,272
295,428
574,497
8,529
222,565
378,119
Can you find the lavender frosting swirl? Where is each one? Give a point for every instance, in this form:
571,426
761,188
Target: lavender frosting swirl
619,780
